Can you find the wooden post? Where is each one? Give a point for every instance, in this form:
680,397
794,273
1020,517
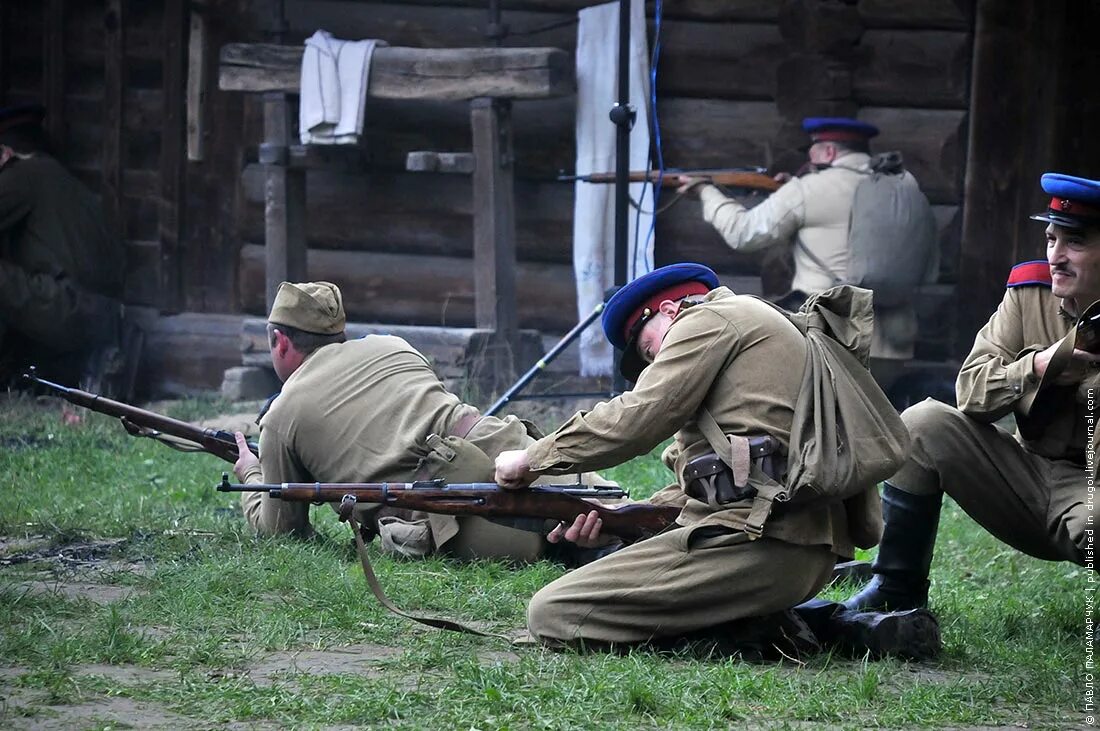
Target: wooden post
1003,160
174,27
284,187
114,83
495,232
53,71
196,85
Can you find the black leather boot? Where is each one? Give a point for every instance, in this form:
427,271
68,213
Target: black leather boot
905,553
912,634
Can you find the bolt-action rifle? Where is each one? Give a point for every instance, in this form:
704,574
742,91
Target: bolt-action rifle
141,423
752,179
630,522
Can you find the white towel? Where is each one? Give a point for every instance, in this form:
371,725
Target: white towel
594,204
335,75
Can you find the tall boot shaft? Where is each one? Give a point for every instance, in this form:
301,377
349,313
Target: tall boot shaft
904,556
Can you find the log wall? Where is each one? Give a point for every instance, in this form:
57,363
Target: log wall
735,78
722,100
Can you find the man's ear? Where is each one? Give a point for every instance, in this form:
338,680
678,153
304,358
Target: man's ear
668,307
282,342
6,154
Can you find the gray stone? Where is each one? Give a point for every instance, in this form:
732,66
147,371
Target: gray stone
248,383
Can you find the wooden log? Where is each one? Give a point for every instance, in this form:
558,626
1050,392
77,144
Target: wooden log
424,161
933,143
738,59
188,353
413,73
913,69
723,10
922,14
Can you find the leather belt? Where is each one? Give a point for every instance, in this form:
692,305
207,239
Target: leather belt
465,425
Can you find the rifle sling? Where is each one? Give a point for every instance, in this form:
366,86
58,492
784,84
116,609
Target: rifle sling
347,512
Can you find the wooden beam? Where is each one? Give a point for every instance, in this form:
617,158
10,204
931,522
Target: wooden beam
114,89
413,73
171,154
196,86
495,230
53,71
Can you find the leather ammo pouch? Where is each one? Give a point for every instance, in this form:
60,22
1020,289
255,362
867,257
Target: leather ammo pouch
708,478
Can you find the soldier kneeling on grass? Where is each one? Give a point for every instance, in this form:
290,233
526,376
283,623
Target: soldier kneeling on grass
737,383
1037,359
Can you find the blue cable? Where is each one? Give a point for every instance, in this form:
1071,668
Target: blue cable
655,56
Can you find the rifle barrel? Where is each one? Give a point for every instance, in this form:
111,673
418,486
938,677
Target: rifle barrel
215,441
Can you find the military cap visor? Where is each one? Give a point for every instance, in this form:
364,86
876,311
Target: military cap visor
1074,203
635,304
837,129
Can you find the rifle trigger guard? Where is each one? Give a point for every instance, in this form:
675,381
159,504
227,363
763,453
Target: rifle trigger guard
347,506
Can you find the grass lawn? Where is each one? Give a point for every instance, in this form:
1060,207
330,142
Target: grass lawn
132,595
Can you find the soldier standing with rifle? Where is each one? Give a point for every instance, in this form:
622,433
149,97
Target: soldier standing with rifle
1030,360
372,410
811,214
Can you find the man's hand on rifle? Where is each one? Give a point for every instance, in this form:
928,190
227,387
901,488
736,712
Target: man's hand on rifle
687,184
246,461
513,471
585,531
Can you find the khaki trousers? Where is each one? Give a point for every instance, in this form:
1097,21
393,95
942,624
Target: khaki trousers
675,583
1034,504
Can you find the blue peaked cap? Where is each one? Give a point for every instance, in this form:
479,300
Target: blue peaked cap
633,295
839,128
1075,202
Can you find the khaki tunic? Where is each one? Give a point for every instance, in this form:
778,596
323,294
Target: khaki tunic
61,270
743,361
361,411
1030,490
815,209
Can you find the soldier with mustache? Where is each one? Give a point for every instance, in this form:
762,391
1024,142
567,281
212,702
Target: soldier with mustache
1028,489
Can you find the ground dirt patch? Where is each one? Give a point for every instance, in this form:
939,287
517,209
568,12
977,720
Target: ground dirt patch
355,660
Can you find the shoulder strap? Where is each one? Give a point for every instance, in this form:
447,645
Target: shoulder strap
817,260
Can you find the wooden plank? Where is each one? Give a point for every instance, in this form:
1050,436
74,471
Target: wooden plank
425,161
171,155
494,217
196,86
53,72
923,14
114,84
740,60
927,69
413,73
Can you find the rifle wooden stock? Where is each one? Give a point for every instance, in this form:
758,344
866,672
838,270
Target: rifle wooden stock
631,522
142,423
729,178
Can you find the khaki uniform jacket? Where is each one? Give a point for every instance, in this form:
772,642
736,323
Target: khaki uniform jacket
358,411
997,377
51,224
740,359
815,209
